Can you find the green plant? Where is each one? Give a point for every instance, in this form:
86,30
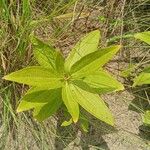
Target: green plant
145,37
144,76
75,82
146,118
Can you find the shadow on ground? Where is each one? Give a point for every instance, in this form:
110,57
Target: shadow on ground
140,104
72,137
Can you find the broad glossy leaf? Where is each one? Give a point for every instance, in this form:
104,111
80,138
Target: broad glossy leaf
93,61
146,118
143,78
70,102
43,112
143,36
92,103
86,45
44,53
103,82
37,97
35,76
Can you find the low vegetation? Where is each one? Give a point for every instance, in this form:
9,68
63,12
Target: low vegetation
74,74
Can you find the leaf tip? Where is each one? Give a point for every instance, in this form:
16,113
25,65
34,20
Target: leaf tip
4,78
18,110
134,85
37,118
135,82
75,120
121,88
97,31
119,46
112,122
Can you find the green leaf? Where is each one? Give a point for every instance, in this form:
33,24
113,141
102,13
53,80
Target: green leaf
103,82
44,53
84,123
27,105
70,102
67,123
143,36
43,112
143,78
47,56
37,97
60,63
91,103
26,10
35,76
146,118
93,61
86,45
128,71
44,102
